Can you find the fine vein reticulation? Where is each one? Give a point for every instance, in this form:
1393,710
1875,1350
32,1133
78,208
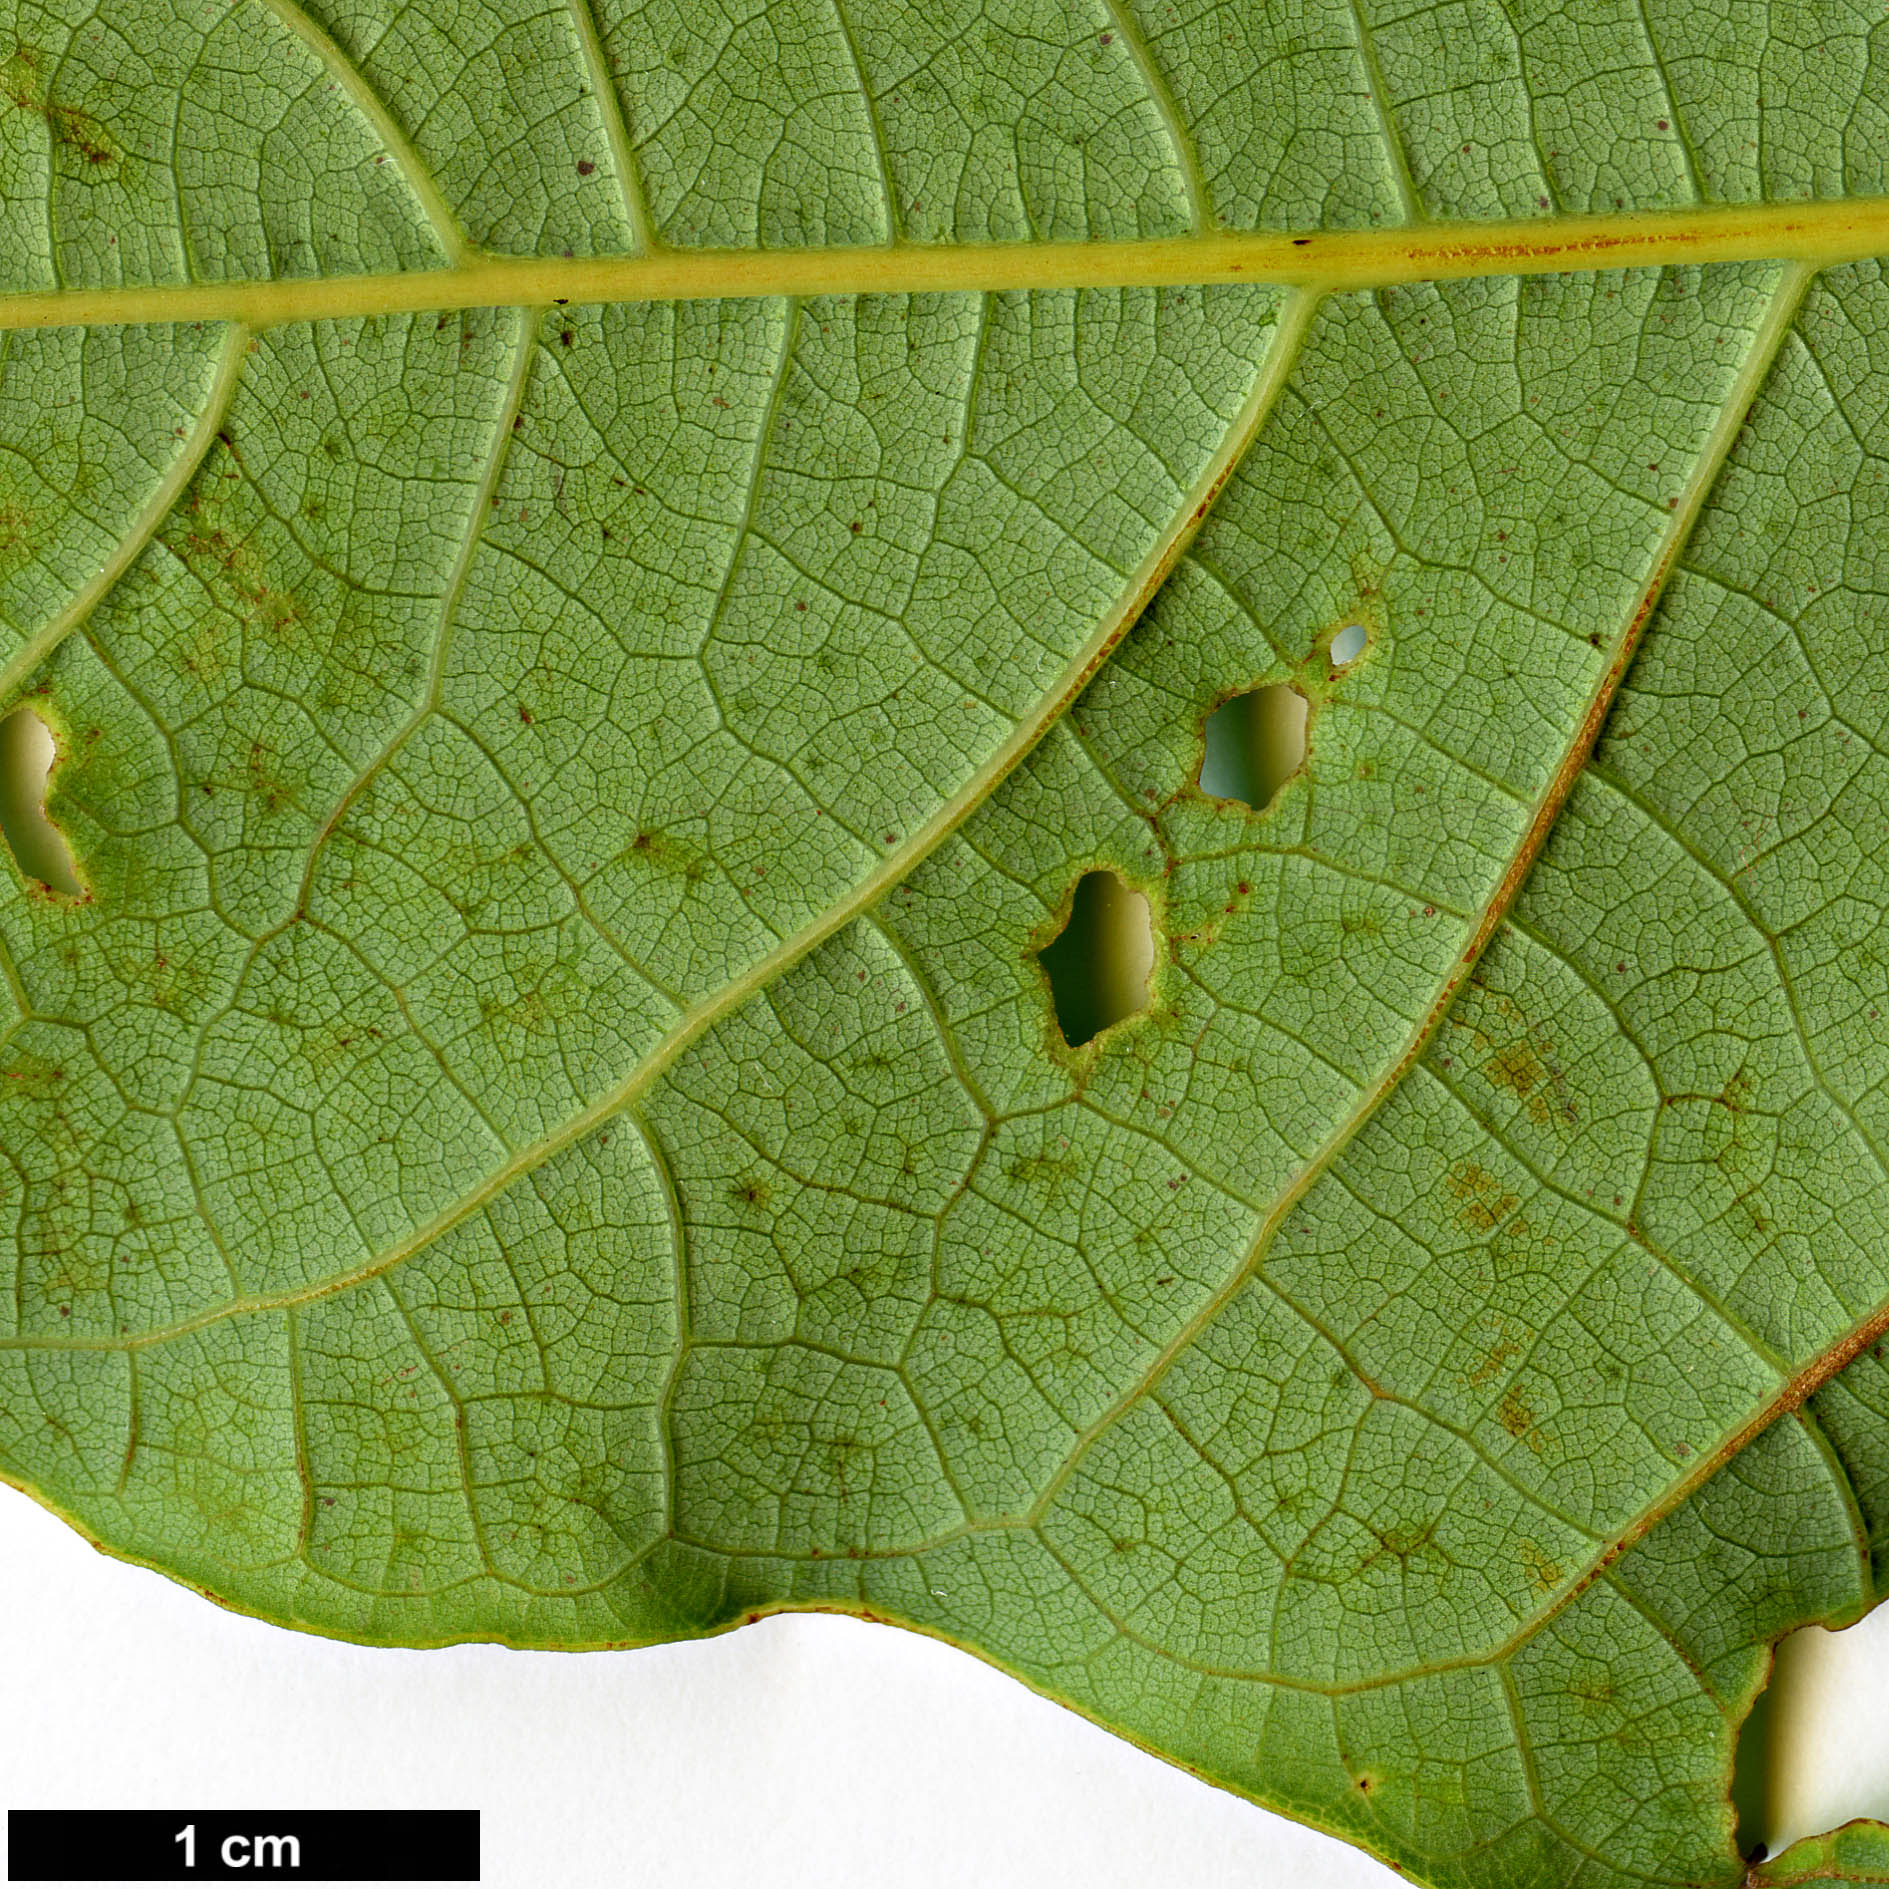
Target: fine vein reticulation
600,578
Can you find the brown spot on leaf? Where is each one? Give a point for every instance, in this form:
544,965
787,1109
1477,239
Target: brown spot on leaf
82,138
657,849
1516,1053
21,532
1543,1571
1486,1202
1493,1361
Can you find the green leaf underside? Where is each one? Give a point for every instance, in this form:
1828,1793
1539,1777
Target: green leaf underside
547,1123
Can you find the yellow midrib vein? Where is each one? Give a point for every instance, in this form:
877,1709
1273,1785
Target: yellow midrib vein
1815,233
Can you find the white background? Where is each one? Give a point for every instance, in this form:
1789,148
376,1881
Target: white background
803,1751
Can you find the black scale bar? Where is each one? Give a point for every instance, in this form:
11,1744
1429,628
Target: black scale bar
242,1845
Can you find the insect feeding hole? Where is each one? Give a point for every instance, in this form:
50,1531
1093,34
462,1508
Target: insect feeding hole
1255,744
1100,963
1814,1752
39,849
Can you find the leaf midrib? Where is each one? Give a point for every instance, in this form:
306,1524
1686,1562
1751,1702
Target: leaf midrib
1817,233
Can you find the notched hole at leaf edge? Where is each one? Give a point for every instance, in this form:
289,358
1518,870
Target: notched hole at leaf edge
1811,1753
27,757
1101,964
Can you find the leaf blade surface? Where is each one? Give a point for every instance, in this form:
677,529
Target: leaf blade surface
547,1124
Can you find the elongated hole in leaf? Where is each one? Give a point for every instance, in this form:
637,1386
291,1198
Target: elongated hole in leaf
1255,744
1814,1752
1098,965
1751,1765
39,848
1347,645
